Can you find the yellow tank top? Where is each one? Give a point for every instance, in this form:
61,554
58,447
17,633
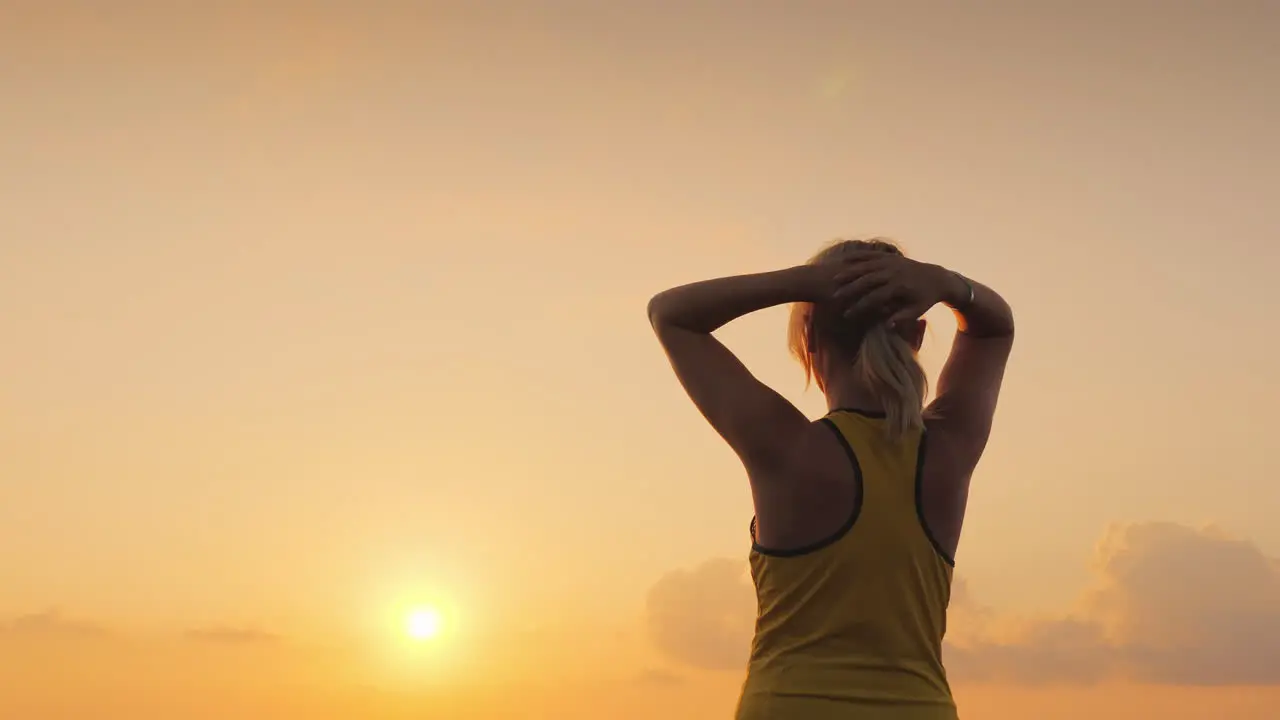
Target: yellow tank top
852,628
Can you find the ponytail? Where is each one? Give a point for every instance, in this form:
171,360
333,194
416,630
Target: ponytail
888,366
884,361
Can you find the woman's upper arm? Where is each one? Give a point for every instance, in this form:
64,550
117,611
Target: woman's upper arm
761,426
968,391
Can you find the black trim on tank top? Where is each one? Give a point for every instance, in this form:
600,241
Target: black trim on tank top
924,524
875,414
844,529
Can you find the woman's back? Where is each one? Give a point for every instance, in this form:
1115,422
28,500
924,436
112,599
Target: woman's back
856,621
855,530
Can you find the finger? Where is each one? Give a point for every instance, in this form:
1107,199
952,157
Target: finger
873,301
859,265
907,314
861,285
859,255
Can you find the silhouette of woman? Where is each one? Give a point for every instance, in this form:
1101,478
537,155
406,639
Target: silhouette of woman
857,515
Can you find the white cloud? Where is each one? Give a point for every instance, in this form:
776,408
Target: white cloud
49,624
703,617
1170,604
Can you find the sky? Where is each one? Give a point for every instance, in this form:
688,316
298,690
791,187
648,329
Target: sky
316,313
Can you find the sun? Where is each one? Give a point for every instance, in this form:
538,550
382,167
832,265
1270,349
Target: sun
424,623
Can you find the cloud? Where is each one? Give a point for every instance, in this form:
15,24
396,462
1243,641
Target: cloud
700,617
232,636
49,624
1169,604
663,678
53,627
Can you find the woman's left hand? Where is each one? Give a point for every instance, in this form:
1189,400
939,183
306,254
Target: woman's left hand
879,284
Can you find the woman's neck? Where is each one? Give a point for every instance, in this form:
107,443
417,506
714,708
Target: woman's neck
848,394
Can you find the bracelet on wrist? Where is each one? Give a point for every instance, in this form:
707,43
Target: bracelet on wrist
969,289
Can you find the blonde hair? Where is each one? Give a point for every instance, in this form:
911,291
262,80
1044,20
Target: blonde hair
883,359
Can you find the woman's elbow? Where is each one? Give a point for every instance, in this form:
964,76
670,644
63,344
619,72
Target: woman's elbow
656,310
1009,324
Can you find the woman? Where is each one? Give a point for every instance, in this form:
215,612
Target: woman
857,516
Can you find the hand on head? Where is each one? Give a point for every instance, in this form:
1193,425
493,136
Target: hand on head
870,285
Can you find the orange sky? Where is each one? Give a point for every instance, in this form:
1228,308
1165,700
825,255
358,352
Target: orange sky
313,316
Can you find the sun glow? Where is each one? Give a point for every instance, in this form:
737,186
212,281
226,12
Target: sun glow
424,623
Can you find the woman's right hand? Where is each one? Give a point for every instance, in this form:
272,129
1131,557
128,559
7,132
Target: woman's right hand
896,288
